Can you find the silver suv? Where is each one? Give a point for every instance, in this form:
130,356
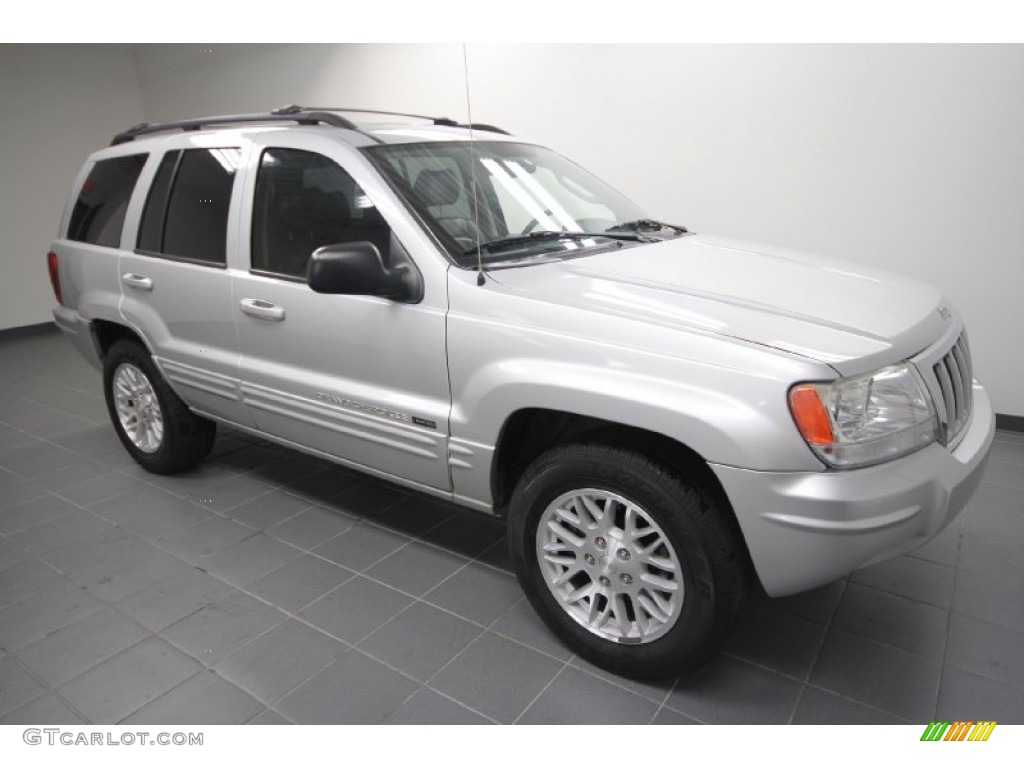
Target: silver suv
661,417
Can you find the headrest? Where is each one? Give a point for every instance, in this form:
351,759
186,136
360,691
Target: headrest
436,188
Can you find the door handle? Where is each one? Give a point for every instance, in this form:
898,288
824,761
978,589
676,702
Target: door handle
138,282
262,310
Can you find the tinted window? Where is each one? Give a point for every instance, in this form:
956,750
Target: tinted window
519,189
304,201
151,231
196,224
98,215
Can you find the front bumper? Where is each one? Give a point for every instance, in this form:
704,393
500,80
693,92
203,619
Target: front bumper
805,529
79,330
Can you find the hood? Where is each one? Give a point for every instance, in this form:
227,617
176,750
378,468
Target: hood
853,317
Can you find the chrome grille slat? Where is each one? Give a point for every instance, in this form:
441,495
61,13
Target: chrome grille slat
965,347
947,393
954,375
964,366
953,367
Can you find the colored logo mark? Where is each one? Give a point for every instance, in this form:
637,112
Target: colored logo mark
961,730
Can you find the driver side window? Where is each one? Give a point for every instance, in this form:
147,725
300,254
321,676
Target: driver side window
304,201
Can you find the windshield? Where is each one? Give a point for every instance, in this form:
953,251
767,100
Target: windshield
521,189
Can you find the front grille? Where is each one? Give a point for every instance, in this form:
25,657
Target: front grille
954,375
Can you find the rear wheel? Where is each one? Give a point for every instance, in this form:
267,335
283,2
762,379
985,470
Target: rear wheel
635,567
153,423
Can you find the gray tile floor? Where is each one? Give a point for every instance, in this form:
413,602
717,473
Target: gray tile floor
268,587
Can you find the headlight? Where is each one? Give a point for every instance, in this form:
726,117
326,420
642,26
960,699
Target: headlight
865,419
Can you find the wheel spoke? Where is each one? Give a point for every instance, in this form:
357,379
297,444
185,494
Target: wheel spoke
651,608
559,546
647,549
580,593
568,516
604,615
664,603
620,615
629,524
660,582
595,513
664,563
565,535
593,612
561,559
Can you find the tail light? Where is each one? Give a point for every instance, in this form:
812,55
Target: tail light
53,267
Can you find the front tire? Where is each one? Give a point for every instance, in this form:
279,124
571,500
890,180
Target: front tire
634,566
153,423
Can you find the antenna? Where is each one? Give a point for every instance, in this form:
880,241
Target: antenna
480,280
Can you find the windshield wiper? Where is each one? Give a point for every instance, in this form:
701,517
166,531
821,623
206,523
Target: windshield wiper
503,242
646,225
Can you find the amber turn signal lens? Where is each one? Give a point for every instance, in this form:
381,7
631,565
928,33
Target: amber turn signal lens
810,416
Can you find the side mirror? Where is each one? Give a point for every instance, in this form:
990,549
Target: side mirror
357,269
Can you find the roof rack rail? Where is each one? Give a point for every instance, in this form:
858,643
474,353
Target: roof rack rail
303,117
291,113
294,109
485,127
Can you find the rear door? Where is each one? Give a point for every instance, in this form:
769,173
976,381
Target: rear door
176,285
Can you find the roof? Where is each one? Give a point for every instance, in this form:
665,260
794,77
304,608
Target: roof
427,129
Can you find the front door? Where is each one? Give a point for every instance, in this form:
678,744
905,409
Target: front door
361,378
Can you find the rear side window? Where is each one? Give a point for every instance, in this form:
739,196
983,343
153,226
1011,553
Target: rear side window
151,231
186,215
98,215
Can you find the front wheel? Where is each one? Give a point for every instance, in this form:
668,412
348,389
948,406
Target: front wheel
635,567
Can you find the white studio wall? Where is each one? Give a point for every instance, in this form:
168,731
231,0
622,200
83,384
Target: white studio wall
60,102
904,156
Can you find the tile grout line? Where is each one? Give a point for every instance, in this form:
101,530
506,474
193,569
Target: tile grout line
54,689
429,682
664,701
949,623
46,690
817,654
293,615
302,620
540,693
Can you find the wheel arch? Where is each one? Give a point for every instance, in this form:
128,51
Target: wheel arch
106,332
529,432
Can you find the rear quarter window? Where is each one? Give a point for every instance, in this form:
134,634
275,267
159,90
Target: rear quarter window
98,215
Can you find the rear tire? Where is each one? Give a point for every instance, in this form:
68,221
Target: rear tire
153,423
634,566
